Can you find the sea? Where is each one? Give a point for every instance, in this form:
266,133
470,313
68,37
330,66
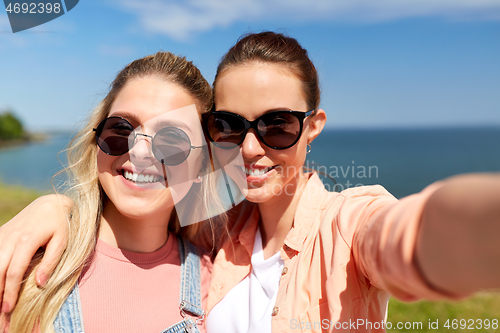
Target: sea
33,164
404,161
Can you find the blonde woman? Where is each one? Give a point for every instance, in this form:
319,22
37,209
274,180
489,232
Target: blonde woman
300,258
125,267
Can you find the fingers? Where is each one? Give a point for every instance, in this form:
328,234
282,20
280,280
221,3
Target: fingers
4,322
5,258
50,259
21,237
26,246
21,255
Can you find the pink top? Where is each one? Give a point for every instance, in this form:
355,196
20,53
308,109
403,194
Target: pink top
126,291
344,256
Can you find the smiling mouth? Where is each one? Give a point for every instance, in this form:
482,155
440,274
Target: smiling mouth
257,172
141,178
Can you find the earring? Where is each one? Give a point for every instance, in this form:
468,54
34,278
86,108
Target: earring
308,148
199,177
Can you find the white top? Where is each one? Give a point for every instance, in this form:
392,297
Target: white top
248,307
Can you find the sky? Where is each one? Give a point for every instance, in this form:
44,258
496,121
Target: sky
382,63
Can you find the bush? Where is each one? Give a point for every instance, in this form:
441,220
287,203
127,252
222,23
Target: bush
10,127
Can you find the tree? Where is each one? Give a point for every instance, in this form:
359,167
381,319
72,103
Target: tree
10,127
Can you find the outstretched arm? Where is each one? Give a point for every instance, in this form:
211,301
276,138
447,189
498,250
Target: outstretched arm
43,223
439,243
458,247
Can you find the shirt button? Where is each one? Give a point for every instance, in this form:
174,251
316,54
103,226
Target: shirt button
275,311
284,271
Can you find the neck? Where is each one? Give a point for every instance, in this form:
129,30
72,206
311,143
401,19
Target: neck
277,215
144,234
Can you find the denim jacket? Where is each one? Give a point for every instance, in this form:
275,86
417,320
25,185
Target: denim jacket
70,319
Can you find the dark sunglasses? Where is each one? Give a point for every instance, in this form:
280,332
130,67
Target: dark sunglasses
277,129
170,145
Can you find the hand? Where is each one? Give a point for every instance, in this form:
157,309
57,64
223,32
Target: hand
43,223
458,249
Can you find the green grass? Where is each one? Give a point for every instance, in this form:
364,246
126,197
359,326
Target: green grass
483,306
13,199
480,307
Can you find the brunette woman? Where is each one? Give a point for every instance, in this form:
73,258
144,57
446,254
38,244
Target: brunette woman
298,256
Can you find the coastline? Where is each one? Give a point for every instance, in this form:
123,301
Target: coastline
29,138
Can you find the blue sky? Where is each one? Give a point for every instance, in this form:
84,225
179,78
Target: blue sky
382,63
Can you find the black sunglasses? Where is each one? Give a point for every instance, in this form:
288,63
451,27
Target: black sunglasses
277,129
170,145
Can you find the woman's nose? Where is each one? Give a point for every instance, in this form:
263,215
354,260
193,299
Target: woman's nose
141,151
252,146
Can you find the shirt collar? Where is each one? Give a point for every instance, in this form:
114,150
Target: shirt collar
307,210
247,222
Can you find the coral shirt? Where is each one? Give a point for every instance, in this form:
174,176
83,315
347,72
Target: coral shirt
344,256
126,291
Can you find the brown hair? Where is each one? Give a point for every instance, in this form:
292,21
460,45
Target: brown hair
275,48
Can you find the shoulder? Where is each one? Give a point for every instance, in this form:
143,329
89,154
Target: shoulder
345,207
345,212
204,260
202,253
362,197
316,194
365,191
355,199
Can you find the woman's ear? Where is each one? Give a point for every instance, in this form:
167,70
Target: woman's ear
316,124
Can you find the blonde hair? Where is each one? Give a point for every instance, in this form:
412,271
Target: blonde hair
39,307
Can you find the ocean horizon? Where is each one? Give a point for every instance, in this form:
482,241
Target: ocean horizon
403,160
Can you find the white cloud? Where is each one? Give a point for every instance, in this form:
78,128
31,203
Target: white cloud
180,19
386,10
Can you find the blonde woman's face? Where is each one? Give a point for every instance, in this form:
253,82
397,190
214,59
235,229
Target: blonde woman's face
251,90
137,183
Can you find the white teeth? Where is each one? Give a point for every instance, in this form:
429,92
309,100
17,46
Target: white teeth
134,177
256,172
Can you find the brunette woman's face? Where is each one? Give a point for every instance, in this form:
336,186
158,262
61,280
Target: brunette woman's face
136,183
252,90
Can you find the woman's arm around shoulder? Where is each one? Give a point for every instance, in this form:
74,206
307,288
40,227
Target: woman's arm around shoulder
43,223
